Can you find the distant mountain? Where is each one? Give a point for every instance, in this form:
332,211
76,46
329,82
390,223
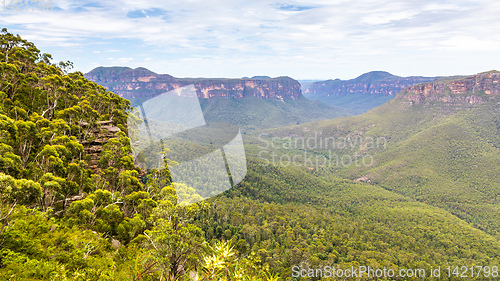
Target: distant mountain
257,77
139,84
362,93
253,103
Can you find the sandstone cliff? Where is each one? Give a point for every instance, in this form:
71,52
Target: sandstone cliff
467,90
140,84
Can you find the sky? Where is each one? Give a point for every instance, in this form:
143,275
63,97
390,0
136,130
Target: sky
314,39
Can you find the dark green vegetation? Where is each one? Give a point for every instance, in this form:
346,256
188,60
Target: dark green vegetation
442,155
291,216
65,217
363,93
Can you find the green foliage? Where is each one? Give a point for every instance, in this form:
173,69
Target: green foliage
20,191
290,217
47,118
37,247
42,117
222,263
67,216
176,242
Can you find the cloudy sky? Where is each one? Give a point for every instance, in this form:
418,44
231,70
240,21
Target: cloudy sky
314,39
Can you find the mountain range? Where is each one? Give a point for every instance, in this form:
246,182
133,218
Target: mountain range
252,103
140,83
362,93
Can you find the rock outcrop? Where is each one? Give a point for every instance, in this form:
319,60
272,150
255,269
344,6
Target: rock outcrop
100,136
141,84
467,90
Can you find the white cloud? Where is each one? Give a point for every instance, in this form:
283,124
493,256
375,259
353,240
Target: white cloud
317,35
470,43
120,61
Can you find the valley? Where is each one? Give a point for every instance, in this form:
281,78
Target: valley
441,150
77,203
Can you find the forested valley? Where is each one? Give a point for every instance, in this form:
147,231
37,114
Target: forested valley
71,211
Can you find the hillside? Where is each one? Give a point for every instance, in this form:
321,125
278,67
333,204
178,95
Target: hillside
291,215
73,206
254,114
439,144
362,93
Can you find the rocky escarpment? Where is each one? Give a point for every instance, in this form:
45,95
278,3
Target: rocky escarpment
141,84
99,136
468,90
373,83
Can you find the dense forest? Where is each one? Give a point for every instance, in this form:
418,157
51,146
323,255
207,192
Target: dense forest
68,215
444,154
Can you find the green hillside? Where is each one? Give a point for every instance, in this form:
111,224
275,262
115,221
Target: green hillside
443,154
252,113
291,216
66,214
357,103
73,205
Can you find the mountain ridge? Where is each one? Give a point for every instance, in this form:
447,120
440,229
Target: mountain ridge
253,103
140,83
373,82
362,93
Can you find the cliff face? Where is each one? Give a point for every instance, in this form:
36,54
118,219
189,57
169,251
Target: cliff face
141,84
468,90
373,83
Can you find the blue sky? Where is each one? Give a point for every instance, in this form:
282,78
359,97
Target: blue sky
316,39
